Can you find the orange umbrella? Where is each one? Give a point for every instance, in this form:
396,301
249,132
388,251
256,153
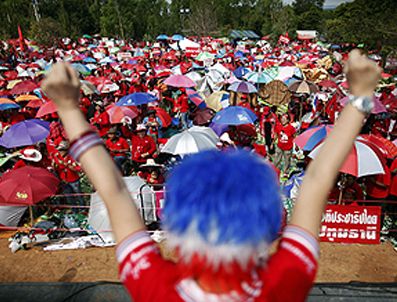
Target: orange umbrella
36,103
26,97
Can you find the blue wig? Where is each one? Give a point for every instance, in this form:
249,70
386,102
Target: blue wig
226,198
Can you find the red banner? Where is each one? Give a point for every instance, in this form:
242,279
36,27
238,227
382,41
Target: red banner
351,224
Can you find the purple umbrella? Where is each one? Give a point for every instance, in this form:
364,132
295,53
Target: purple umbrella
244,87
25,133
378,108
219,129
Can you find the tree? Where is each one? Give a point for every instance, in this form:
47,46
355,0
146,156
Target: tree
46,32
203,21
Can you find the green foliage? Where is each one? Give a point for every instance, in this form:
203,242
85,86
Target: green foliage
46,31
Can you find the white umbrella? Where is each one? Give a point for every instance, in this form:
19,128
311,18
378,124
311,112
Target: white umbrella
189,142
143,196
206,131
11,215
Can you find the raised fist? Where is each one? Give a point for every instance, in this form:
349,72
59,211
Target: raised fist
362,74
62,85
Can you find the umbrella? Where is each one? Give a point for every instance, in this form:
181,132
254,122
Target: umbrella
165,118
84,70
136,99
88,88
119,114
235,115
312,137
207,131
386,147
361,161
258,77
89,60
47,108
240,72
188,142
205,56
244,87
378,106
202,116
107,88
194,96
11,215
37,103
179,81
26,97
25,133
328,84
162,37
24,87
177,37
8,104
218,100
144,198
194,76
303,87
27,185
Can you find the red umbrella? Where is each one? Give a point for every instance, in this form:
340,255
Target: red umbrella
179,81
328,84
35,103
24,87
27,186
203,116
10,74
386,147
165,118
46,108
119,114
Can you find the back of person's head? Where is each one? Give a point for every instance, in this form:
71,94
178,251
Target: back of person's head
222,211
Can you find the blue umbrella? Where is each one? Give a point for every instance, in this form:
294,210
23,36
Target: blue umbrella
241,72
25,133
162,37
135,99
84,70
177,37
89,60
290,184
235,115
9,106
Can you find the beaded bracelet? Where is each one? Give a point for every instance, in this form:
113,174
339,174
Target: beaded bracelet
85,133
86,141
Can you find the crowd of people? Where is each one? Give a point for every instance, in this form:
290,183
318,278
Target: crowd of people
291,87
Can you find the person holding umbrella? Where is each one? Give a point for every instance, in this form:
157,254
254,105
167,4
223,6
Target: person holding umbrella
222,226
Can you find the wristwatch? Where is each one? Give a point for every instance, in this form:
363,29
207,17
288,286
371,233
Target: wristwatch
364,104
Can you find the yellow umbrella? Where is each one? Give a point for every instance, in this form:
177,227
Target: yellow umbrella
214,101
26,97
12,83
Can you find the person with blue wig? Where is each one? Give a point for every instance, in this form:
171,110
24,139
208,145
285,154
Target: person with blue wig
222,209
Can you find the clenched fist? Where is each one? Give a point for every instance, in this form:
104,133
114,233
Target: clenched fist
62,85
362,74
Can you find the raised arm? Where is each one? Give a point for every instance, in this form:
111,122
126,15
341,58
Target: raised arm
363,76
63,86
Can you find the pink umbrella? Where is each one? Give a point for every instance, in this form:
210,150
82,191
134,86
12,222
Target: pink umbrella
379,107
179,81
46,108
119,114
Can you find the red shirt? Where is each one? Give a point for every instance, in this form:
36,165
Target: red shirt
66,167
117,145
285,136
376,191
140,146
102,122
287,276
181,104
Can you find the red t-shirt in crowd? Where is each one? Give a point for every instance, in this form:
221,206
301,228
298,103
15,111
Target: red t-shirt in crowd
101,120
376,191
287,276
285,136
140,146
117,145
66,167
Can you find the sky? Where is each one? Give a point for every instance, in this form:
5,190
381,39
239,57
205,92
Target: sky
328,3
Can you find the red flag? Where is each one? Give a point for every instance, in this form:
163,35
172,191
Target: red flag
21,39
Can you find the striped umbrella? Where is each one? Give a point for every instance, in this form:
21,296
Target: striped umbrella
258,77
361,161
309,139
244,87
303,87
